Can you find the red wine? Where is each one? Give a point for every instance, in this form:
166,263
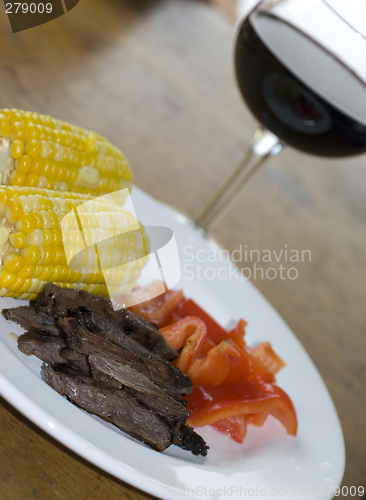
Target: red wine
288,107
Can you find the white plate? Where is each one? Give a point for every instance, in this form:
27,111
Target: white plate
269,463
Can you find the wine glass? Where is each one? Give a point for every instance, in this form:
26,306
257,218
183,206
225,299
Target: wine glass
300,67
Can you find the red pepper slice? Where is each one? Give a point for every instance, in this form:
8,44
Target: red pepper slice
189,332
189,308
159,309
269,359
234,427
215,367
208,406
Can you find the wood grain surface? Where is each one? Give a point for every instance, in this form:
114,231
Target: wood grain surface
156,78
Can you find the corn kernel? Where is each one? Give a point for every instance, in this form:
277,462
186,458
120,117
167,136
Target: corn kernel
45,149
48,237
46,273
60,153
27,271
14,263
17,179
31,131
42,182
54,220
17,149
41,249
56,237
37,271
36,205
31,180
59,255
25,224
5,129
35,285
38,219
42,133
17,283
64,273
7,279
48,167
13,210
32,254
49,255
38,165
57,270
25,287
77,276
26,203
36,238
17,132
23,164
18,240
34,148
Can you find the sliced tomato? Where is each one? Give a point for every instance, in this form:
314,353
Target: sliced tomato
234,427
189,308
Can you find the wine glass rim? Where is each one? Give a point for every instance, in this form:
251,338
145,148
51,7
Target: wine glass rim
311,39
330,5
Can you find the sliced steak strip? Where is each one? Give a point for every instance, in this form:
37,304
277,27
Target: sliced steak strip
113,405
30,320
128,352
76,359
46,348
103,379
187,439
145,333
144,389
113,331
57,301
51,350
62,301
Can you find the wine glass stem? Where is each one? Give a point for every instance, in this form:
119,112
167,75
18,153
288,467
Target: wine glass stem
264,145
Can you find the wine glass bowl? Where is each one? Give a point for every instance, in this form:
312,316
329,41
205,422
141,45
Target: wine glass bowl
297,83
300,67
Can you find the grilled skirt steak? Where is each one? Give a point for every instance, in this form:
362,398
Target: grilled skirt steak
30,320
128,352
99,359
58,301
144,389
44,347
113,405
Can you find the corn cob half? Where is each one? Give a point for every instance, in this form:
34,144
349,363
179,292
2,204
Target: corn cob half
72,240
39,151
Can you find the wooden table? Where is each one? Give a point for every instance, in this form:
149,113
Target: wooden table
156,78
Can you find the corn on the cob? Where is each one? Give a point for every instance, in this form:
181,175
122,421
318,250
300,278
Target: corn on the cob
73,240
39,151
